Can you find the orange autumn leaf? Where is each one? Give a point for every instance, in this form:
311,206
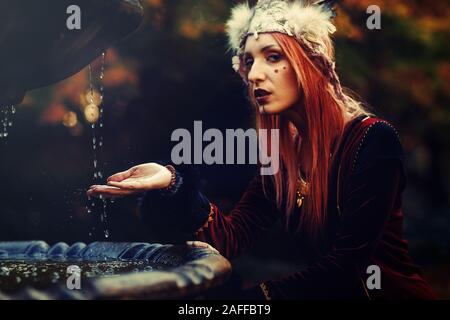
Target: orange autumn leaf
345,27
154,3
119,75
53,114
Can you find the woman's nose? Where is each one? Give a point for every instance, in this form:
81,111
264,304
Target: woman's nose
257,73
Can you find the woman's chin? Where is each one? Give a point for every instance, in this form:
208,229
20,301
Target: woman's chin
268,109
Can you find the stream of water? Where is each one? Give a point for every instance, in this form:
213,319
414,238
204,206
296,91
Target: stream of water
6,120
96,110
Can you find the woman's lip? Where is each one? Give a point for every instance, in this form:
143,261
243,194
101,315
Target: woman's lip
263,99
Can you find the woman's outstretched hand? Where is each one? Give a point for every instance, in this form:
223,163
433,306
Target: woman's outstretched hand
137,179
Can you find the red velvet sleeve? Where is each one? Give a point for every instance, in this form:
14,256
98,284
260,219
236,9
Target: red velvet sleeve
178,216
233,233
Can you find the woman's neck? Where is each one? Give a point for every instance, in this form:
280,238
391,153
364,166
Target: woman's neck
299,121
304,155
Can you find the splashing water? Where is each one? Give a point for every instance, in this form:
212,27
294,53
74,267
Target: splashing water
97,142
6,121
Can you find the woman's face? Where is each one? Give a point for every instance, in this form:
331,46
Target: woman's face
272,81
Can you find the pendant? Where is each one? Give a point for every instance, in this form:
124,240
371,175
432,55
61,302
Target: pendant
300,198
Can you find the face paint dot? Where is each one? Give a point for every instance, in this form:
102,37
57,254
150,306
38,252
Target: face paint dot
276,70
284,68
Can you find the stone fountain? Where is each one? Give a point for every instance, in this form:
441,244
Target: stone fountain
108,270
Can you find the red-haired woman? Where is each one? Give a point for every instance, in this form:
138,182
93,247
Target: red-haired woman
341,178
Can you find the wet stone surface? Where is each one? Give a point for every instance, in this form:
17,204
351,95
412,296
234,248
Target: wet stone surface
19,274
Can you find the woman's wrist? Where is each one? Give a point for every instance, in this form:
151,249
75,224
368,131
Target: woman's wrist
175,181
173,177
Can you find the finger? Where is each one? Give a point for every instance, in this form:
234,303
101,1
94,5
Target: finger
131,185
156,181
200,244
107,191
110,195
120,176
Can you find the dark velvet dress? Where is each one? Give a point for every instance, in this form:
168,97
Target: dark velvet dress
364,223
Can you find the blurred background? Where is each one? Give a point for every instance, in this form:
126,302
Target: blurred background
175,69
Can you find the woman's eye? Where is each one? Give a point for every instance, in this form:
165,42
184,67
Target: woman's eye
274,57
248,62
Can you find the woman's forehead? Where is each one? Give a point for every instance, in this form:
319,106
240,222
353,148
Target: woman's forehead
263,42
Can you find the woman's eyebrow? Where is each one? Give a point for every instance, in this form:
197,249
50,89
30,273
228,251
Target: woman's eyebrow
263,49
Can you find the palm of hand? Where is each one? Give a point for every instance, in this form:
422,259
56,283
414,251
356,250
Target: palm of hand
141,177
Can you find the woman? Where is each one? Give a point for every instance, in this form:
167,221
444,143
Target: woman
341,178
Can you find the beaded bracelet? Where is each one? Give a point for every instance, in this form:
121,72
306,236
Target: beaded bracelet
173,177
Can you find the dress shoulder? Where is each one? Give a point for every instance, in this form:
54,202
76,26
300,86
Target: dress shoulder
380,141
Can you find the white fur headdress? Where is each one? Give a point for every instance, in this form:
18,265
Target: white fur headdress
307,21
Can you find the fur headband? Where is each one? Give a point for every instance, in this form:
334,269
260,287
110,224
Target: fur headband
308,23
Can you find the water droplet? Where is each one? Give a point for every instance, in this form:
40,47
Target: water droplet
4,271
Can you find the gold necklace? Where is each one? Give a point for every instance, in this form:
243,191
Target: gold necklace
302,190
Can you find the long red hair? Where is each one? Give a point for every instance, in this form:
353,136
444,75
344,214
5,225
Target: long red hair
323,112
